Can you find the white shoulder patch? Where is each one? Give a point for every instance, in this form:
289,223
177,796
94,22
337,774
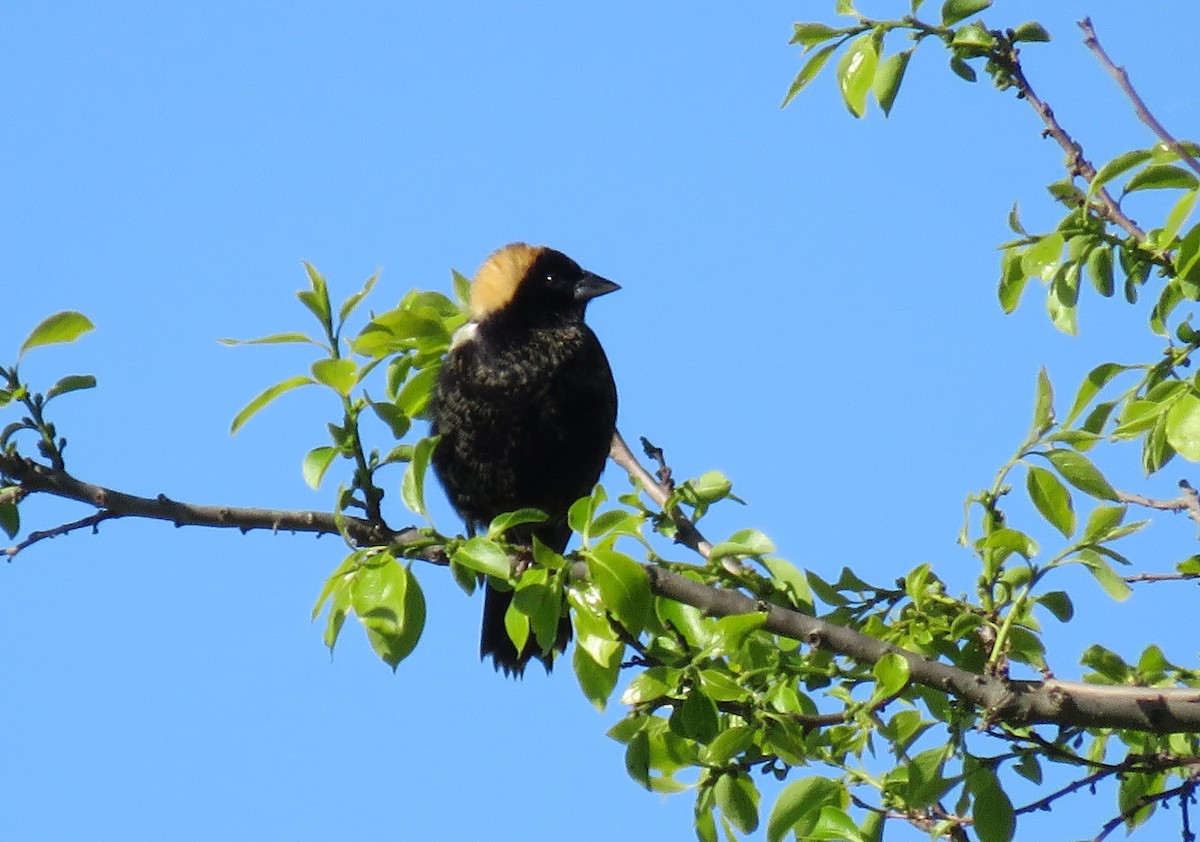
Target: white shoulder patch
464,334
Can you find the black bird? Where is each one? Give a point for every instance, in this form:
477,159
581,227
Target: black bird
526,407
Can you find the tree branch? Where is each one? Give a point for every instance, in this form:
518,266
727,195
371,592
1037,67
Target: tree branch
36,478
1139,105
1109,207
1156,710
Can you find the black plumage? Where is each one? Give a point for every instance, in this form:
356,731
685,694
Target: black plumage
526,407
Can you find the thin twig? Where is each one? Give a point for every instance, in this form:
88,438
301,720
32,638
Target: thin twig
1188,501
660,493
37,478
1078,164
1185,789
1139,105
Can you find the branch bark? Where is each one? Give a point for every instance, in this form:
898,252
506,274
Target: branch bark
1156,710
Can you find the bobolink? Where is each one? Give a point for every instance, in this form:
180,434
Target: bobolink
526,407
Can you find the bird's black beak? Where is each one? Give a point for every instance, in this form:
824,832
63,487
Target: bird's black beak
592,286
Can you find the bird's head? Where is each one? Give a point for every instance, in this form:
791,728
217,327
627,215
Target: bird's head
534,280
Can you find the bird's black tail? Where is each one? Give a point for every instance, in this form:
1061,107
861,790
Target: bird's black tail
495,642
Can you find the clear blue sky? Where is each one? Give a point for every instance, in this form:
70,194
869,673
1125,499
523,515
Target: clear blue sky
808,305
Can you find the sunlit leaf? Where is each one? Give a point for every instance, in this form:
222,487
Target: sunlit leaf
266,397
66,326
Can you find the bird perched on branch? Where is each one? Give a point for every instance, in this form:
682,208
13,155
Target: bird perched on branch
526,407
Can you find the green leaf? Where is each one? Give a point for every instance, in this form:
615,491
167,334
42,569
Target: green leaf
1102,522
891,675
266,397
412,488
955,10
483,556
10,519
1012,279
811,34
353,301
502,523
856,72
1102,571
595,680
1183,427
696,717
623,584
712,486
71,383
1137,790
1059,604
1042,258
835,825
273,339
316,298
316,463
339,375
1078,470
808,72
1100,270
1179,215
414,396
1097,379
1051,499
1159,176
65,326
1043,405
995,820
1030,31
389,603
962,69
1187,262
397,422
798,807
737,797
729,633
888,77
1120,164
1062,299
1107,663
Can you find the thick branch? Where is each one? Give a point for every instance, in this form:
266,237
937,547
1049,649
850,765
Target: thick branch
1157,710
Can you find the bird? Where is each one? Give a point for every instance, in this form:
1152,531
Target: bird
525,406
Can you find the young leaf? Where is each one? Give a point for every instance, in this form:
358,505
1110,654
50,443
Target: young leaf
71,383
1097,379
1100,270
1041,259
339,375
1051,499
799,806
891,675
66,326
412,487
1159,176
811,34
888,77
1120,164
623,585
954,11
266,397
316,463
995,820
1078,470
1043,405
856,72
737,796
808,72
1030,31
388,601
484,556
1183,427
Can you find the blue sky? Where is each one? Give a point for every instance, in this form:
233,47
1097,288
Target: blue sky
808,305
